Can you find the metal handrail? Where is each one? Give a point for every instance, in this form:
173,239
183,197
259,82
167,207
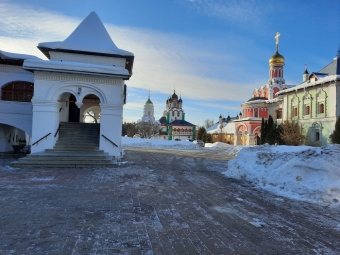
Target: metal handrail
41,139
57,130
109,140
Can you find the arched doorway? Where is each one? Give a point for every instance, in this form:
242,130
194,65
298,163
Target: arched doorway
90,110
73,110
13,139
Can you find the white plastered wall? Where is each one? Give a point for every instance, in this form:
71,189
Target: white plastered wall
16,117
49,88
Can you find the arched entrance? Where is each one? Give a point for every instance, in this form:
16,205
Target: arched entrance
90,110
73,110
13,139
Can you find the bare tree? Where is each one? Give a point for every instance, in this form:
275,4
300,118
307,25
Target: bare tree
148,129
208,123
91,117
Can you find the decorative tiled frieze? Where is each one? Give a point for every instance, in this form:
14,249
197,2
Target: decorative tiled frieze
77,78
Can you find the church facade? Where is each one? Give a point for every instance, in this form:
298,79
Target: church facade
315,103
84,72
173,123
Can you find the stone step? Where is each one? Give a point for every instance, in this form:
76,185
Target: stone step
74,150
62,160
77,146
66,157
63,165
85,146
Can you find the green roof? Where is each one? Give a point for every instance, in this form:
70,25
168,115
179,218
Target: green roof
148,102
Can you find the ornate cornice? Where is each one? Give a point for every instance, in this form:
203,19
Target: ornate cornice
59,77
13,69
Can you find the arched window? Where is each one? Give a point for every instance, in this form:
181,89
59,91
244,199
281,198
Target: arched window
295,113
307,110
21,91
256,113
321,108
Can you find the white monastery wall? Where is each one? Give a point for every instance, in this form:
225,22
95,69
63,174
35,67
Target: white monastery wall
10,73
18,115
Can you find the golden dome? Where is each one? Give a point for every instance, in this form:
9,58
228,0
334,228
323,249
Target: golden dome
277,58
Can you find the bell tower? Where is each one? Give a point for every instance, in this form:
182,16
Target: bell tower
276,63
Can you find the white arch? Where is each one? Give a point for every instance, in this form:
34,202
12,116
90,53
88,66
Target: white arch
256,129
60,88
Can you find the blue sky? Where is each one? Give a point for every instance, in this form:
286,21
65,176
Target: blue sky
215,52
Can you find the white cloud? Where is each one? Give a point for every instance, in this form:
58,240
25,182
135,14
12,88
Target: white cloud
161,60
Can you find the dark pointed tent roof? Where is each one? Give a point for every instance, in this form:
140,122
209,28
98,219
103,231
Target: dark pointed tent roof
90,37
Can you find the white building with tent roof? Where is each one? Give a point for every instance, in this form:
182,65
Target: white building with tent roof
85,71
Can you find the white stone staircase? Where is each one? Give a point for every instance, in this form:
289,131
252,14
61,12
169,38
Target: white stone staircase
77,146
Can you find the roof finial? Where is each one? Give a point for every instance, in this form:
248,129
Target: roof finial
338,55
174,87
149,93
277,39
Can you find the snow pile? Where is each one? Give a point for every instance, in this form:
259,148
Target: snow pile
301,172
217,145
148,143
228,149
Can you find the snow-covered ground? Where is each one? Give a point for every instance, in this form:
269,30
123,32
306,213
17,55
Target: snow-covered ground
299,172
154,143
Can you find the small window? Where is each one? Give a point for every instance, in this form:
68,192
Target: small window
295,112
321,108
256,114
317,136
307,110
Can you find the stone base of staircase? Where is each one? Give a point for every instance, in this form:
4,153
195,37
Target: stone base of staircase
77,146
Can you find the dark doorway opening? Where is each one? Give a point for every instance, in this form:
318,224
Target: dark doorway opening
73,110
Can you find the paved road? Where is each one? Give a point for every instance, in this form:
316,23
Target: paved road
156,202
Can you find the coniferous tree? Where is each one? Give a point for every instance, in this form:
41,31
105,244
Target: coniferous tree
270,123
271,132
272,135
200,133
204,137
335,136
262,131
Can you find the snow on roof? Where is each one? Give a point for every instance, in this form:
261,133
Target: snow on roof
89,36
228,128
10,55
74,67
328,78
